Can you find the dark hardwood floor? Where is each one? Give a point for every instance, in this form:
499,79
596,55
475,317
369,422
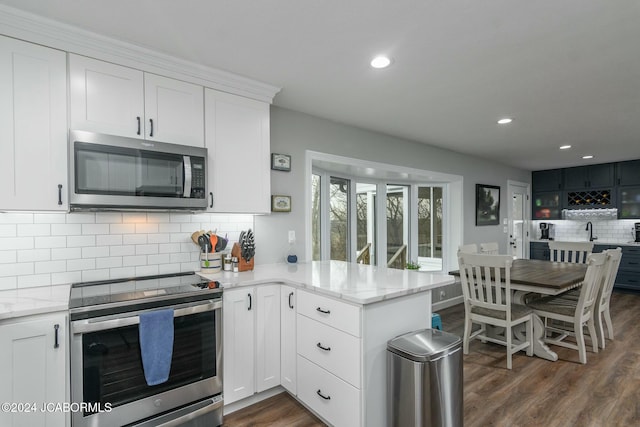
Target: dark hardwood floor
536,392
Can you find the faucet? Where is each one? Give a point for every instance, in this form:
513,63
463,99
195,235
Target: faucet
589,228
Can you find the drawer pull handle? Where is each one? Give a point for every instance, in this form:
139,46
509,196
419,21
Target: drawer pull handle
290,304
323,311
56,327
319,345
632,263
322,395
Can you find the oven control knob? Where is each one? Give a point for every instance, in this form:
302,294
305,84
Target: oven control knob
157,403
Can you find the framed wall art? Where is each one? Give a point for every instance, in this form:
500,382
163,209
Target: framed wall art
280,162
487,204
280,203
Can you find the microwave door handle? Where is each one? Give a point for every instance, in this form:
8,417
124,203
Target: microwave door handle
85,326
187,176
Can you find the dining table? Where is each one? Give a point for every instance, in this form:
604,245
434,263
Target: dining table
545,278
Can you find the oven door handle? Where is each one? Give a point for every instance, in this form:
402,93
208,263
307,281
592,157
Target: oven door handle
193,415
85,326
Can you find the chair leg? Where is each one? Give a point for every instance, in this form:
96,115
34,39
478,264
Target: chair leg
582,351
600,330
530,337
508,337
607,319
592,334
467,334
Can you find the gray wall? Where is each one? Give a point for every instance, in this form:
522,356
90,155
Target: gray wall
293,133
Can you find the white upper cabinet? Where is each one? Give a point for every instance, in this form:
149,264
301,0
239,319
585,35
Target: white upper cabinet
237,139
33,126
117,100
174,111
106,98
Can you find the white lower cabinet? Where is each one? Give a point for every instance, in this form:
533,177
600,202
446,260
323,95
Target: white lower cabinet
335,400
288,358
251,350
33,362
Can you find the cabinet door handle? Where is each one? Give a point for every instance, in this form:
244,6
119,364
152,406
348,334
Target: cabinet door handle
211,196
151,130
322,395
323,311
56,327
319,345
59,194
290,304
250,302
138,119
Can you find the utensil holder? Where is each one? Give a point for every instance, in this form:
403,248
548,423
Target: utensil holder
243,264
214,262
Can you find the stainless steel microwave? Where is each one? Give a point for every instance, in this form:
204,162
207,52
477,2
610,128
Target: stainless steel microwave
109,172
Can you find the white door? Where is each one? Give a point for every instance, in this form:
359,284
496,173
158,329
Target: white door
106,98
33,126
518,219
288,338
33,369
239,343
174,111
237,128
267,337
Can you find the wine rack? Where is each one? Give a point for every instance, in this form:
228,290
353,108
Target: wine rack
594,198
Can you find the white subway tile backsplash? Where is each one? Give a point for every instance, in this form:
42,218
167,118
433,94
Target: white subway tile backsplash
50,267
34,230
95,251
95,228
50,242
39,249
146,228
109,240
8,257
8,230
122,228
66,253
34,280
81,264
134,239
31,255
136,260
9,243
66,229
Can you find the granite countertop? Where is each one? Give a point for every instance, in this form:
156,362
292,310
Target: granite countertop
29,301
356,283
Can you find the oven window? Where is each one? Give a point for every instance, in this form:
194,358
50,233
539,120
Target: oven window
118,171
112,365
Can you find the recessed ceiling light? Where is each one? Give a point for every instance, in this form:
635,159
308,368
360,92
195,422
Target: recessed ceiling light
565,147
588,156
505,121
380,62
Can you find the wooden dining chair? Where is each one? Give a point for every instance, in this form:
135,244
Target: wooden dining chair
484,277
602,311
574,313
490,248
471,248
576,252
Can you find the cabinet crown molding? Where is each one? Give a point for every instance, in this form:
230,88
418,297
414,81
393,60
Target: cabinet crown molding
37,29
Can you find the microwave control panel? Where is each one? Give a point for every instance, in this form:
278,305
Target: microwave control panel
198,178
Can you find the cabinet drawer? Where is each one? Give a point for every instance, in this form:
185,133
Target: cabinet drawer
340,352
340,405
329,311
631,250
627,279
630,262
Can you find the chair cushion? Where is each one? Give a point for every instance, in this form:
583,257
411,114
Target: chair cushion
517,311
558,305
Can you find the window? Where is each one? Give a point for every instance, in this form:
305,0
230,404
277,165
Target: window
315,217
366,223
339,218
430,228
397,225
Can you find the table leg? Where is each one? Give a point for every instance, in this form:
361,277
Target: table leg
540,349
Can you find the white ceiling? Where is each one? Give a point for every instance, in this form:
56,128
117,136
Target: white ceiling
568,71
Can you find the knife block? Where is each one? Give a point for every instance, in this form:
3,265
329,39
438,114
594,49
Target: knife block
243,264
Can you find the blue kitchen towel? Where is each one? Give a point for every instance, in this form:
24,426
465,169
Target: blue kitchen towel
156,344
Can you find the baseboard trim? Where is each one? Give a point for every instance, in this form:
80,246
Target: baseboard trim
441,305
248,401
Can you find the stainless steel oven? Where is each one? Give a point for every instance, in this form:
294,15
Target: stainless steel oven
107,376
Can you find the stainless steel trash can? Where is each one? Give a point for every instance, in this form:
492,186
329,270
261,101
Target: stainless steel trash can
424,379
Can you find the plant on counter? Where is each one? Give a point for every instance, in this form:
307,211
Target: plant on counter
411,265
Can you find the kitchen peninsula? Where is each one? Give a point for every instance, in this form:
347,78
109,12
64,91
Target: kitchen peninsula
335,319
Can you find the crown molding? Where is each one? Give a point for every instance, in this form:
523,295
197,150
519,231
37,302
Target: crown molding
37,29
